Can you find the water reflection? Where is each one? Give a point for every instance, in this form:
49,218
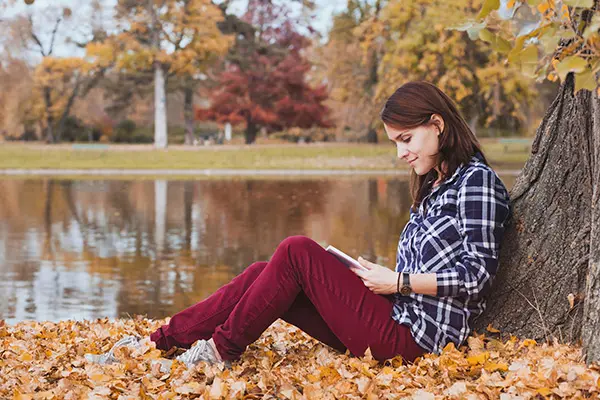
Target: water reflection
95,248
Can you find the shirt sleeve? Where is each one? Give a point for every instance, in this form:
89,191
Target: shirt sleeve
483,208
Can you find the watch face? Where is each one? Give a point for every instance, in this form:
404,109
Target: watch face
405,290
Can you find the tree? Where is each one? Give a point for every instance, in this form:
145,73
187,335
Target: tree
17,113
58,81
352,80
417,46
548,282
172,38
264,79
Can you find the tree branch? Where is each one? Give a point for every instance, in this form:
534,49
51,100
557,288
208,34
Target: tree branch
35,38
58,21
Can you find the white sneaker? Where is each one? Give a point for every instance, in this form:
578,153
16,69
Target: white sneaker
109,356
200,351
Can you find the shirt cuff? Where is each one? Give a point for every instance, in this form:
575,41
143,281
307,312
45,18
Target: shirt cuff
448,283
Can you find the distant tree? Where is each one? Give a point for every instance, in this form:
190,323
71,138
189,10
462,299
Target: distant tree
264,82
172,38
58,81
351,70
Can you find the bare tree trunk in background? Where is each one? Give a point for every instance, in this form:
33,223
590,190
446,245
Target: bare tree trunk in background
160,96
547,283
188,113
251,131
49,117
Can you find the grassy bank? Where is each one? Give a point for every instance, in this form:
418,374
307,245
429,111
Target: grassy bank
313,156
45,360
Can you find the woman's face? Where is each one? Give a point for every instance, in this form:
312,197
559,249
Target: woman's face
418,146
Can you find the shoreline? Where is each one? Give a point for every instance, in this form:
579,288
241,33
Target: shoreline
214,172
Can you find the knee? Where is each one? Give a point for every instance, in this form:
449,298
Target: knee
298,243
255,268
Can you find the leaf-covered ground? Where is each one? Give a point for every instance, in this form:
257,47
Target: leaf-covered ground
44,360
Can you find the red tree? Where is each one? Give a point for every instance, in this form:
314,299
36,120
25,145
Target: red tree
263,83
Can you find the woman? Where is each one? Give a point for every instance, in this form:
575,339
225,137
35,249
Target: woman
446,261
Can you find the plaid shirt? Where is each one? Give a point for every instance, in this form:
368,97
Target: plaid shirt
457,239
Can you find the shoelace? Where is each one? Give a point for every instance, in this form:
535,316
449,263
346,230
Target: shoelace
201,351
109,357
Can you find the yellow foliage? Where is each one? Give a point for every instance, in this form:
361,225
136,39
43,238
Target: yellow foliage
46,360
188,34
472,73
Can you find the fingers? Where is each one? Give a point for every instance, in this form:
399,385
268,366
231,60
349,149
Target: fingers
359,272
365,263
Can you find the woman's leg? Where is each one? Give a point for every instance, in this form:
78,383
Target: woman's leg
359,318
305,316
200,320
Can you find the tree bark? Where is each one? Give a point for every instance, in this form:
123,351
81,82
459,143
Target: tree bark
550,247
160,108
49,117
251,131
67,110
591,313
188,113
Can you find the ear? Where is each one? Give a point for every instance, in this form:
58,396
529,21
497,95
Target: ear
438,121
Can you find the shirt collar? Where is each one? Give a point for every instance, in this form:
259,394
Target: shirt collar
477,158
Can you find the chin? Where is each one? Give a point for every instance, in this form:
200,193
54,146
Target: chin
421,172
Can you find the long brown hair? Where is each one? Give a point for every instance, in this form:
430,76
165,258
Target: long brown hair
412,105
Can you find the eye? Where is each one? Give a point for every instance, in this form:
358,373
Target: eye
406,139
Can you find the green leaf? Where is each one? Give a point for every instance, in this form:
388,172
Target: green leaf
502,45
585,80
514,54
592,27
570,64
499,44
486,35
549,40
529,60
534,3
488,7
579,3
473,33
471,27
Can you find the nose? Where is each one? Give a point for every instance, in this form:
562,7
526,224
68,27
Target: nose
402,150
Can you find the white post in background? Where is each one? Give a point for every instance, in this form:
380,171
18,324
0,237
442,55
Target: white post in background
160,108
160,214
228,131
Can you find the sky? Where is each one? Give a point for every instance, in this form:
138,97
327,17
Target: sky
324,12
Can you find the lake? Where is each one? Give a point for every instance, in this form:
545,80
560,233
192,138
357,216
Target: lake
85,249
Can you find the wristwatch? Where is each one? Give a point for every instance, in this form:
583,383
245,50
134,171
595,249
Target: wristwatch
405,289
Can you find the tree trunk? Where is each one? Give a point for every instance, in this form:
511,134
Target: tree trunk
251,131
49,117
67,110
188,113
591,312
371,135
545,257
160,108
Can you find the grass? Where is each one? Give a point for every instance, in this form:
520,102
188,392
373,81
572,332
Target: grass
275,156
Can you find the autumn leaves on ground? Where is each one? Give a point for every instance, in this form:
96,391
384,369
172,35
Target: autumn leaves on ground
45,360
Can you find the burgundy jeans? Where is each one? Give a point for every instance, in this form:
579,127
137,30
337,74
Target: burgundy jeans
304,285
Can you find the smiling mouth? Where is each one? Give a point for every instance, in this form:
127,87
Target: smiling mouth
411,161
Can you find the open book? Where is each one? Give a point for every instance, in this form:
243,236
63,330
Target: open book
345,258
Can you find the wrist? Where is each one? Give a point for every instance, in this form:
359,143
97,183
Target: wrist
404,287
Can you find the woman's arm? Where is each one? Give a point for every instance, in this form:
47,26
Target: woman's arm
382,280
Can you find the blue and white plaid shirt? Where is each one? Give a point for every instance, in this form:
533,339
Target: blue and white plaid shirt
457,239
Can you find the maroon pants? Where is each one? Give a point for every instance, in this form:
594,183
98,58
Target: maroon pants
305,286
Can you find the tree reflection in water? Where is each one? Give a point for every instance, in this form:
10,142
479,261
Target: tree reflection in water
95,248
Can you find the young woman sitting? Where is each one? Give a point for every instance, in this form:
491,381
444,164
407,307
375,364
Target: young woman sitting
446,261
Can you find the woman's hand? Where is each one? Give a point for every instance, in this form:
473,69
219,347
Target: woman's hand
379,279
